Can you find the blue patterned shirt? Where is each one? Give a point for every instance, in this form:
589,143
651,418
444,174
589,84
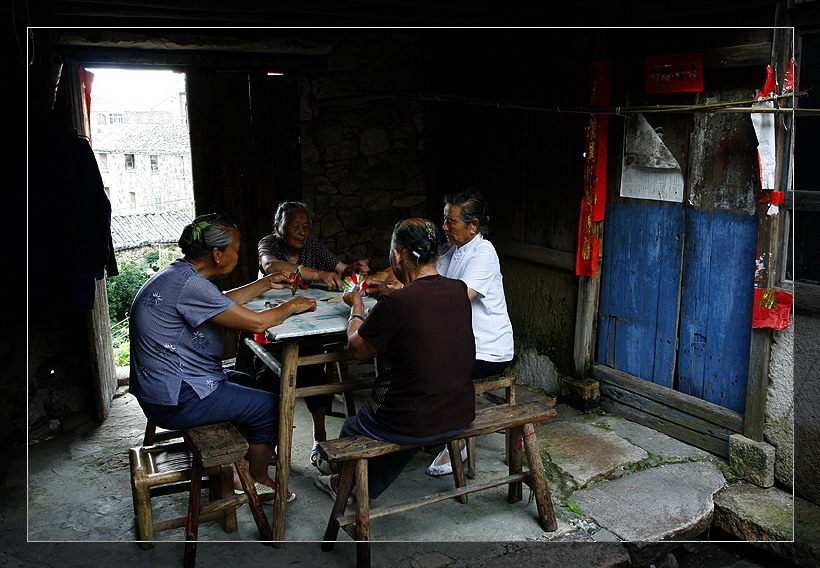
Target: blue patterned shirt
172,339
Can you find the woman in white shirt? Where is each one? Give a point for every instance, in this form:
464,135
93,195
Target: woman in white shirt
473,260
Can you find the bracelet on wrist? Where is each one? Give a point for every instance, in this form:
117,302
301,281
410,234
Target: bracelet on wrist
354,316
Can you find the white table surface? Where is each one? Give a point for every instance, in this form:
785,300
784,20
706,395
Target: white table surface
329,317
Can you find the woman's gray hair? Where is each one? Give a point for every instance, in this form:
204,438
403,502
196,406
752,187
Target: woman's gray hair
204,234
473,206
286,207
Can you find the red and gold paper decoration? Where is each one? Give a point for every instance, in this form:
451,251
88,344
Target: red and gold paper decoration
593,203
772,308
676,73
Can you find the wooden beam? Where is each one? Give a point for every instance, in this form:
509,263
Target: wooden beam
710,412
803,200
807,297
552,258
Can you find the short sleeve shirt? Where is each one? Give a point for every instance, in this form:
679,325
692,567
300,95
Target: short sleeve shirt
313,255
476,264
425,330
172,339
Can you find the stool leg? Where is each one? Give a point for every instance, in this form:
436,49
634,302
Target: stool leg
345,485
362,516
253,500
543,500
192,522
458,468
515,461
141,493
224,489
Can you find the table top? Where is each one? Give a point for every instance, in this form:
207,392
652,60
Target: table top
329,317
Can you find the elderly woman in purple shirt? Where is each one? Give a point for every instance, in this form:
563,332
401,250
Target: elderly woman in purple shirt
176,344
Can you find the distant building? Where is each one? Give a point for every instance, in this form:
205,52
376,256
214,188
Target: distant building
145,167
143,151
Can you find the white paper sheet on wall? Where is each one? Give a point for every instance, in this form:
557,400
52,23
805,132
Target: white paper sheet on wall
649,171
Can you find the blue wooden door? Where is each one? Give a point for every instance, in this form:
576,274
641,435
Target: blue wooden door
676,298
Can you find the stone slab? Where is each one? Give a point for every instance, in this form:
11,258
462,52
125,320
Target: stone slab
672,502
753,513
585,453
754,461
655,443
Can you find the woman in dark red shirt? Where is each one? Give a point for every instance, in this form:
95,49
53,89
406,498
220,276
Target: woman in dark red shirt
424,329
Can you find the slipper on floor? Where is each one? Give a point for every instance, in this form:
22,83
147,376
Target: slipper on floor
266,492
323,483
446,468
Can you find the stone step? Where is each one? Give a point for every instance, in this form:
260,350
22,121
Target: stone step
752,513
671,502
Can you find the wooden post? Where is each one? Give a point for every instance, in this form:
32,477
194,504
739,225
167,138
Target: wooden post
515,464
771,229
543,501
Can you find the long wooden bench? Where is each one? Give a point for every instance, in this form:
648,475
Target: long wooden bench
353,453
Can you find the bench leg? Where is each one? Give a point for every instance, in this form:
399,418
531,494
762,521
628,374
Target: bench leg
471,457
141,493
362,516
514,493
253,500
458,468
192,519
543,499
345,485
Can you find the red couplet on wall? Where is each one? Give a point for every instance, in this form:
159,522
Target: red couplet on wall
675,73
593,203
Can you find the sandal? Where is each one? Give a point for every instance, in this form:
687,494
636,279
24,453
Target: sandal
324,482
320,463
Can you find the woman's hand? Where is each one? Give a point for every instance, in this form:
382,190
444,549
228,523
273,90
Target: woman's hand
361,266
300,305
279,280
376,288
331,280
353,298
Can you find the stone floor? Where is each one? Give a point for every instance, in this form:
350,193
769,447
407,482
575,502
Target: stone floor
614,483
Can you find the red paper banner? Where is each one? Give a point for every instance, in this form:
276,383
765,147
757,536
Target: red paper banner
772,197
772,308
769,86
593,204
675,73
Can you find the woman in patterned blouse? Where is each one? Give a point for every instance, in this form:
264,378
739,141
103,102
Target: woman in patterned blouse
291,245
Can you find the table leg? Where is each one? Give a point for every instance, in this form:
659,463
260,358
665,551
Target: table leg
287,400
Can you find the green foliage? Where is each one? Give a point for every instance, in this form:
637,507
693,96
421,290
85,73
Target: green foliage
571,506
122,289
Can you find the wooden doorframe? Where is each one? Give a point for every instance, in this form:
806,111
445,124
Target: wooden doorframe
98,326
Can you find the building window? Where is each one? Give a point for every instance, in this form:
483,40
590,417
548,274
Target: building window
129,161
158,203
102,161
100,119
132,198
116,118
154,163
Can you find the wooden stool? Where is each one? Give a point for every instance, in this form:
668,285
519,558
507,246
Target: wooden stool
217,445
165,469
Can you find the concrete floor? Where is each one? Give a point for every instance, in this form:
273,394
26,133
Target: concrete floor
79,493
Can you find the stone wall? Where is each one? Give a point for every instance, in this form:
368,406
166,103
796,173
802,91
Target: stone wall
778,428
362,153
806,394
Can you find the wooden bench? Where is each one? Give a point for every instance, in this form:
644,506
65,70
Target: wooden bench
353,453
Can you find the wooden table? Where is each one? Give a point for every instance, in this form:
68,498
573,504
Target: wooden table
327,324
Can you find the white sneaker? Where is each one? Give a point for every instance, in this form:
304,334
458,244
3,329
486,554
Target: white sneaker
440,467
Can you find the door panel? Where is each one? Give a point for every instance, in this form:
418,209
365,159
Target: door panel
638,313
716,306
